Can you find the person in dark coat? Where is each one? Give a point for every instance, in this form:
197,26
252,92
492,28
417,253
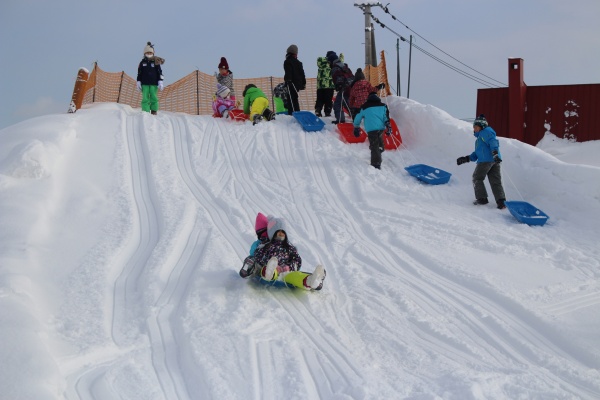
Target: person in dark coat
294,77
150,79
342,79
488,158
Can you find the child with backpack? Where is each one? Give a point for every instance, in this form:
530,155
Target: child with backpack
256,104
342,79
281,98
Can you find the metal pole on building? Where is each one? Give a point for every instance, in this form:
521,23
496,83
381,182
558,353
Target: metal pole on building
409,65
398,67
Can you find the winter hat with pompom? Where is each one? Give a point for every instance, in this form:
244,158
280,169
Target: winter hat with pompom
359,75
222,91
481,121
149,48
223,63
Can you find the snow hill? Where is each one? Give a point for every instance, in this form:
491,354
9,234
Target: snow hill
123,233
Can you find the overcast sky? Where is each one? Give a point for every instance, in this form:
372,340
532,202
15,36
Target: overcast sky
43,43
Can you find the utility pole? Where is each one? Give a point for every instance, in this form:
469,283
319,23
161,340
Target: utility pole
398,67
409,65
370,53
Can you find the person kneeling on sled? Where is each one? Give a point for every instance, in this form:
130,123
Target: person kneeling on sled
256,104
487,155
280,261
377,120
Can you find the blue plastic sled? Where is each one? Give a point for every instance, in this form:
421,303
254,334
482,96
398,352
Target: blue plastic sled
309,121
427,174
276,283
526,213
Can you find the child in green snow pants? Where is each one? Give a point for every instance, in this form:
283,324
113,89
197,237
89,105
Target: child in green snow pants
149,98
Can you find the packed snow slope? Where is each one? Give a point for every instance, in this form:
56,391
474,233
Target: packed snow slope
123,233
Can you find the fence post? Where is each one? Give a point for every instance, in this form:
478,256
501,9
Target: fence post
79,90
272,94
120,86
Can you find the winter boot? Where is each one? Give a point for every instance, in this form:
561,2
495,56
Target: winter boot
480,202
268,272
248,268
318,114
268,115
153,112
315,280
226,114
501,205
256,119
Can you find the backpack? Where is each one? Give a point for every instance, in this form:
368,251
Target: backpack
344,78
282,92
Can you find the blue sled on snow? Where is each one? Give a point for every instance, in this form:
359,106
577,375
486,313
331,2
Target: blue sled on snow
309,121
275,283
427,174
526,213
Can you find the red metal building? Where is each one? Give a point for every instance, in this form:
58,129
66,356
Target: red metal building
526,112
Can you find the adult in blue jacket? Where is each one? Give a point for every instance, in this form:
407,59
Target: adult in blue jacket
488,158
377,120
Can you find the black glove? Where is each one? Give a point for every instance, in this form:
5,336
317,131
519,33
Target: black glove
388,129
497,158
462,160
380,86
356,132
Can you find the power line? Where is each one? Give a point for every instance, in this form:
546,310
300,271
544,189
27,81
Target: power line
448,65
386,10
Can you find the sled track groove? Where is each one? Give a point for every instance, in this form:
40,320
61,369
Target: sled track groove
434,286
193,181
167,342
573,304
145,231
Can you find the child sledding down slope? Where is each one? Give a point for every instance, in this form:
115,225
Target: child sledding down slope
278,260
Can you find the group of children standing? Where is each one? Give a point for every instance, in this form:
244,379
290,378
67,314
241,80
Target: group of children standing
333,75
354,93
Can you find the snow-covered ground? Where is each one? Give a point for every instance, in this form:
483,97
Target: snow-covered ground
123,233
